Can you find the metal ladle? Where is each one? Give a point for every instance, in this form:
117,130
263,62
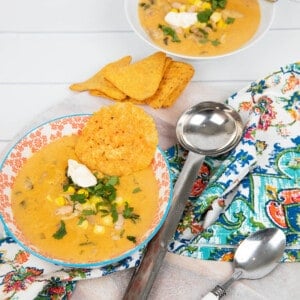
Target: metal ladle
254,258
208,128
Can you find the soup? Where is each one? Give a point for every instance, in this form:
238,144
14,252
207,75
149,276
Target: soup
90,229
200,28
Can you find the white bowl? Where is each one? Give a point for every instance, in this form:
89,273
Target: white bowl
42,135
267,9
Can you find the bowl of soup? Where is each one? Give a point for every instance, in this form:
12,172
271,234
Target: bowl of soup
86,225
200,29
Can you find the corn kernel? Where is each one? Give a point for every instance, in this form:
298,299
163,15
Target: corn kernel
221,24
99,229
70,190
83,192
182,8
206,5
119,200
49,198
60,201
186,31
95,199
174,10
107,220
215,17
87,206
198,3
200,25
84,224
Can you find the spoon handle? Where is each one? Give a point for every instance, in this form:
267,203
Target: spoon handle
143,278
216,293
220,290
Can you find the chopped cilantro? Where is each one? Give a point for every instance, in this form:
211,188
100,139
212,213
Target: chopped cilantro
81,219
129,214
144,5
107,191
203,16
215,42
81,198
88,212
61,232
136,190
131,238
229,20
86,243
218,4
113,180
114,213
169,32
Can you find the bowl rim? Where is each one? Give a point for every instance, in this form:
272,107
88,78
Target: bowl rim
267,9
104,263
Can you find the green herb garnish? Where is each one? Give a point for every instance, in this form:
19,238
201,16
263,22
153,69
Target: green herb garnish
215,42
229,20
203,16
61,232
136,190
131,238
168,31
80,198
129,214
218,4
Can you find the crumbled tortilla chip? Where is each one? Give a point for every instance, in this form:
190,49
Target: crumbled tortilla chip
141,79
176,77
117,140
99,83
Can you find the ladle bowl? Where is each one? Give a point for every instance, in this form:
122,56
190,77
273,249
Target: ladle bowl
208,128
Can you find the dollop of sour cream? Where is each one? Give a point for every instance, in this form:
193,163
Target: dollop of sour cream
80,174
181,19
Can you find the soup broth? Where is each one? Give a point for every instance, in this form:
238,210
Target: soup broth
216,31
36,203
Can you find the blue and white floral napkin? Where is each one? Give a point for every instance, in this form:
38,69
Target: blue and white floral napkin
258,184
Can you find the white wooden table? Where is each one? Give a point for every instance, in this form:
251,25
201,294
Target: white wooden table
47,45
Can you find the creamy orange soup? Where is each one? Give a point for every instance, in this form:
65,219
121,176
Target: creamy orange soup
200,27
79,234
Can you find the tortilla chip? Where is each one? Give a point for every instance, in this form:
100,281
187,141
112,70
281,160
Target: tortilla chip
98,93
99,83
141,79
176,77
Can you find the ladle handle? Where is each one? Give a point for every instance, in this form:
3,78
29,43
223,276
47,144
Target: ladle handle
143,278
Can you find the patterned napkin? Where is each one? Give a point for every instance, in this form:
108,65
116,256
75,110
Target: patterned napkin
257,185
24,276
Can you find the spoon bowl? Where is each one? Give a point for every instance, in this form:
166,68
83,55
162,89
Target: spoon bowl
254,258
259,254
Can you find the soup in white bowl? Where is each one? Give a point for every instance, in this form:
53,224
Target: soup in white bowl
200,29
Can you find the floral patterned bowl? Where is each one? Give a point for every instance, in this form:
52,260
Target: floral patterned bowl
42,135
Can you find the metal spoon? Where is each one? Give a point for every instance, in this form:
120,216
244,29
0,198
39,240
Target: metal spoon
255,257
208,128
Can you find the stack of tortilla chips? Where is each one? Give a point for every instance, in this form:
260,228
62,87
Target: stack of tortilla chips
156,80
